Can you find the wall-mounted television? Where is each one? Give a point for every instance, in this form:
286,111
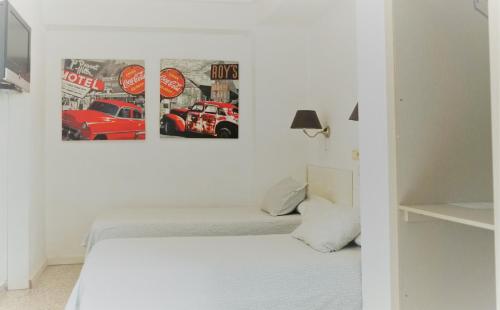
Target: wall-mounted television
15,49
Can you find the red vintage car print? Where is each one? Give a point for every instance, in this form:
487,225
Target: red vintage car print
104,120
208,118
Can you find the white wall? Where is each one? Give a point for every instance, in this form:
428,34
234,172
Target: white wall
4,133
332,85
280,90
444,151
312,67
22,166
84,179
164,14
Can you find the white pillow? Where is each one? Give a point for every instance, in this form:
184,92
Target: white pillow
313,201
358,240
284,197
328,227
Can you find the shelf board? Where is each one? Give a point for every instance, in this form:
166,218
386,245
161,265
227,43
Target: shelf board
477,217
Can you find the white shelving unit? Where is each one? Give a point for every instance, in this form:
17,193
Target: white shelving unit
473,216
443,151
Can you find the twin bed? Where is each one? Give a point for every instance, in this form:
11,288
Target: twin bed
177,222
233,259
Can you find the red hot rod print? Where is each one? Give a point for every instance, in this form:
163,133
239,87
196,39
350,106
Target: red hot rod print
104,120
199,99
215,119
103,100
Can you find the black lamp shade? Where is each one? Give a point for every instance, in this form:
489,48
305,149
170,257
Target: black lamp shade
354,115
306,119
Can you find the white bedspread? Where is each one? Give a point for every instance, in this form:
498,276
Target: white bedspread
173,222
273,272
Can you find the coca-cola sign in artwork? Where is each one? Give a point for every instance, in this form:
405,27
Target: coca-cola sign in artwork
199,98
103,99
132,79
172,83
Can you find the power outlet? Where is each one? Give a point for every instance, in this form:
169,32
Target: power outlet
355,154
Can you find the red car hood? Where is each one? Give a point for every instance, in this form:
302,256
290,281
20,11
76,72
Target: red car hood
88,116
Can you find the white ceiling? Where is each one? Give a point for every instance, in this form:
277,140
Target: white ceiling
291,11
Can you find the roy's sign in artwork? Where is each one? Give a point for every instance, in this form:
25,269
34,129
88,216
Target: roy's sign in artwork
103,99
224,72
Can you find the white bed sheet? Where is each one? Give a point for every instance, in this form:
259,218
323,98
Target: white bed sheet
273,272
178,222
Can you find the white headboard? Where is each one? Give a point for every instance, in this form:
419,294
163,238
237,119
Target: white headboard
330,183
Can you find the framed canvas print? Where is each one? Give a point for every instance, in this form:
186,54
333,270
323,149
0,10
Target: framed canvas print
103,99
199,99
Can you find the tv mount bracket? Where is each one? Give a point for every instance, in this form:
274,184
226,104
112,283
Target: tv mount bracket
9,86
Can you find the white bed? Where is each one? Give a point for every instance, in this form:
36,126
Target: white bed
272,272
330,183
177,222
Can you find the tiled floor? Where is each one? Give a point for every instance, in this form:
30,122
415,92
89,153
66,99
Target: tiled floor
50,293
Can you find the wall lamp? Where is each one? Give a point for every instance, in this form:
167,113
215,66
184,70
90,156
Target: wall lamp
355,114
308,119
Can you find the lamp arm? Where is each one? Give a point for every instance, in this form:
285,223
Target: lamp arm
325,131
310,135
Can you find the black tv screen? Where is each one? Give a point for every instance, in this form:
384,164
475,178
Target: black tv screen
18,47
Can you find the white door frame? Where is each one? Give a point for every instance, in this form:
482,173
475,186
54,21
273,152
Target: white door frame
377,149
494,31
19,198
